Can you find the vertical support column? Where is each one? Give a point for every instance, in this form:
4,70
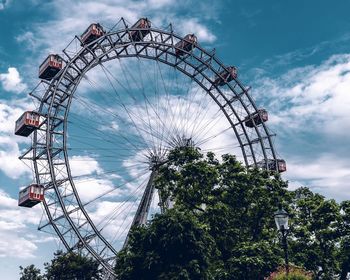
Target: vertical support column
285,248
145,203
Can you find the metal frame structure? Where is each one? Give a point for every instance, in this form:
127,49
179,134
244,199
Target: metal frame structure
64,209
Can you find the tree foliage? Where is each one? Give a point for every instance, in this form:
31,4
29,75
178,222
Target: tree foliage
222,227
174,246
320,234
215,195
232,207
64,266
30,273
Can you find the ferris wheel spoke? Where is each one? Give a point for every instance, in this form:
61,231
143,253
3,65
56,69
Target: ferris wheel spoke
97,145
204,141
192,94
131,115
174,130
147,127
166,108
116,145
148,113
71,211
135,178
202,118
105,173
188,103
157,95
97,108
157,115
120,146
162,109
102,134
100,137
138,115
208,126
222,148
120,209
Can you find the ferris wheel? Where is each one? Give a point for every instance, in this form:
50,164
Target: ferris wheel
110,108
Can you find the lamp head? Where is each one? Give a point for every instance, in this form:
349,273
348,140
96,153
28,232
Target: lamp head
281,219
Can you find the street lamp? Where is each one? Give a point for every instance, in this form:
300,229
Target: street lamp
281,219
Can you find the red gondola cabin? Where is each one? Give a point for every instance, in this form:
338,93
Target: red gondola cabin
31,195
257,118
145,25
278,165
50,67
27,123
281,165
226,76
185,45
93,32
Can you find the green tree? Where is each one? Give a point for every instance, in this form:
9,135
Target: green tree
344,252
30,273
71,265
174,246
234,207
316,234
222,227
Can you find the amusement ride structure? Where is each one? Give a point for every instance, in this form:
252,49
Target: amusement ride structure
120,99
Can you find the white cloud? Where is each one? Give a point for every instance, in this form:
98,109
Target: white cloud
9,143
194,115
12,82
202,32
4,4
112,126
90,189
109,209
14,227
8,116
311,96
160,3
309,109
84,165
13,245
327,174
27,38
67,24
6,201
322,167
92,181
114,219
9,162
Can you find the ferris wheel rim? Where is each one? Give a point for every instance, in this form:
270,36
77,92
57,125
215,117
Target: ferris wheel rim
55,83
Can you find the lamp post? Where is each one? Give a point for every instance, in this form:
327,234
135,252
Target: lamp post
281,220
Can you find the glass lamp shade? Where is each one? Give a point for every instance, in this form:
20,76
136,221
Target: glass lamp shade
281,219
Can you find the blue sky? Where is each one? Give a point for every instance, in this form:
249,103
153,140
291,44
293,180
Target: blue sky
294,54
